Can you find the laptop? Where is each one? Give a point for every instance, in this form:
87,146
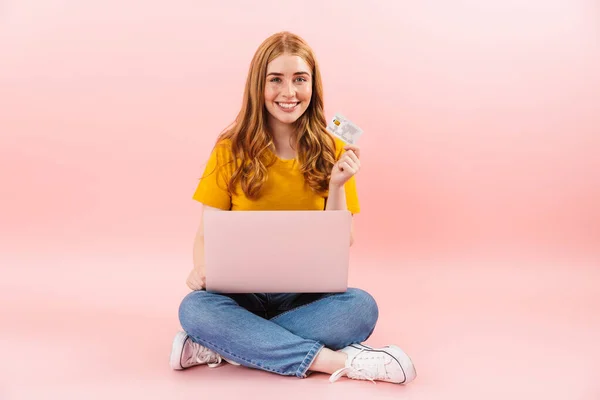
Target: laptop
277,251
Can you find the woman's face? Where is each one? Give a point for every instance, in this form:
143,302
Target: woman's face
288,88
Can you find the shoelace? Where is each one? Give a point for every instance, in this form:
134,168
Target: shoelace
360,373
352,373
202,355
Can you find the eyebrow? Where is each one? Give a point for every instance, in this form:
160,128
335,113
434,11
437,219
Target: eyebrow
280,74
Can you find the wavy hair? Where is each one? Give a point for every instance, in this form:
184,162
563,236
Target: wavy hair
252,145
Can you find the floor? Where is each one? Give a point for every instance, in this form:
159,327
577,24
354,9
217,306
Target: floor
75,329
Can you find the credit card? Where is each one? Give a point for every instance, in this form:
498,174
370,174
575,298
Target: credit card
344,129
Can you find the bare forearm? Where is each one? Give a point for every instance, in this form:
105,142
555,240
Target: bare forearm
196,279
336,199
199,252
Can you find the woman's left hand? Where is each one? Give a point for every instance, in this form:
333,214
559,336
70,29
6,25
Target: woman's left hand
346,167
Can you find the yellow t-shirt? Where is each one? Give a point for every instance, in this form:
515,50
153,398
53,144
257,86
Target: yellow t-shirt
283,190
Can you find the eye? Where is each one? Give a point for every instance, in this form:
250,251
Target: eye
275,80
302,79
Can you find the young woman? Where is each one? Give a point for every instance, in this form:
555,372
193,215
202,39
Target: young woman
278,155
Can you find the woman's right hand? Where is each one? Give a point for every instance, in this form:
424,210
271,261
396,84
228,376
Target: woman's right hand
196,279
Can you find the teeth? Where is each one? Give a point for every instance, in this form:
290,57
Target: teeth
288,105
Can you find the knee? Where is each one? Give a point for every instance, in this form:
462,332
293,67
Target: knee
195,312
364,308
354,324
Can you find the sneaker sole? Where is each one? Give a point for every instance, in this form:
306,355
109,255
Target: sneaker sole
176,350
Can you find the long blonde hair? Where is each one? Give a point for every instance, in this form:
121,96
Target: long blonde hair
251,143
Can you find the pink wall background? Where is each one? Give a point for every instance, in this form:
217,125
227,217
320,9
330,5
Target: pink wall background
482,120
480,188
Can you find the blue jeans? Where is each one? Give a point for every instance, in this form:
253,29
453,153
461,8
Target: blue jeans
280,333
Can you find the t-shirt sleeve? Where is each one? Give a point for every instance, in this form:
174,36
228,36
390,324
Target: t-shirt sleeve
212,188
352,202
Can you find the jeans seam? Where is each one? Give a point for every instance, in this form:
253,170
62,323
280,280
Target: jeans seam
229,354
223,352
309,359
301,307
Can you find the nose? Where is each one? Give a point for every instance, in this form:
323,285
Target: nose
289,90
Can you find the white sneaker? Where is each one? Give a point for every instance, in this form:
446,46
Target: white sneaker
388,364
185,353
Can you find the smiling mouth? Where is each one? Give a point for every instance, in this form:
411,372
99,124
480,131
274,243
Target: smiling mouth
287,106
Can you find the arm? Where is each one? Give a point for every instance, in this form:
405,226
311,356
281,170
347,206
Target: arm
196,278
346,167
337,201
